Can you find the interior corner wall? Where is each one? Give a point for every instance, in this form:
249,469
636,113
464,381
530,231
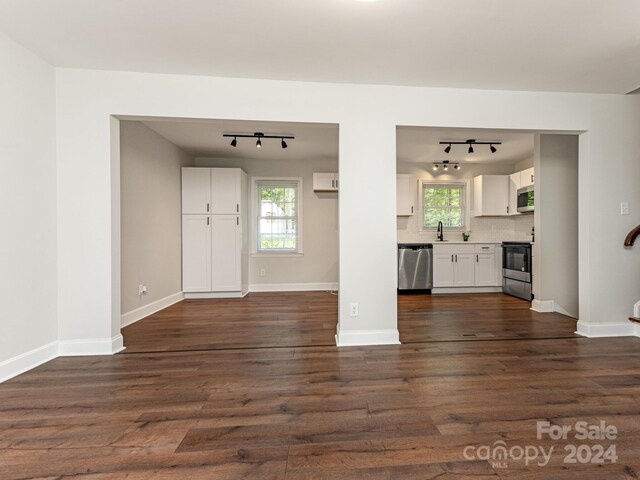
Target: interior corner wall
318,266
150,203
556,192
28,266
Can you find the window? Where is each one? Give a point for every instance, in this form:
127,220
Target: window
278,215
444,202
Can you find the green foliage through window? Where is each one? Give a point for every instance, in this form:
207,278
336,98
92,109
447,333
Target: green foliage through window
443,203
277,216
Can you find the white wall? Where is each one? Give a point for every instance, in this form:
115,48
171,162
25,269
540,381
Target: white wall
368,116
483,229
556,191
150,216
28,284
319,263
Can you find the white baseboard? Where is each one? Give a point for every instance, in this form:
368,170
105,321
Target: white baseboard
542,306
28,360
436,291
90,346
368,337
146,310
619,329
194,295
292,287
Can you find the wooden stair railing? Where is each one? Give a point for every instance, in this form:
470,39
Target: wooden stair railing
631,238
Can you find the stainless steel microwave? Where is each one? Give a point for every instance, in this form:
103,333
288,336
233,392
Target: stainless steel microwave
526,201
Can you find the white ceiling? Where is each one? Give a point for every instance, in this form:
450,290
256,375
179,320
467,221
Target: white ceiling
421,145
551,45
203,138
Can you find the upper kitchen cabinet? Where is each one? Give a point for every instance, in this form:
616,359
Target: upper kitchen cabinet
225,191
514,185
526,178
211,191
325,182
196,190
491,195
405,196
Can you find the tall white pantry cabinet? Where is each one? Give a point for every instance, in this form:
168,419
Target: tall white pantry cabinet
214,232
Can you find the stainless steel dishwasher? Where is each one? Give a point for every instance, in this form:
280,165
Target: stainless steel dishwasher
415,266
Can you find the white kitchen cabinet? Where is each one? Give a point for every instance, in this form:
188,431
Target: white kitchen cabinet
211,191
526,177
196,190
225,253
485,271
466,266
514,185
405,196
196,253
325,182
443,270
214,243
464,270
490,195
225,191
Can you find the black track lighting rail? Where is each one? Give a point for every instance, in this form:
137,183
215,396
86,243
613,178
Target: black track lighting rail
257,135
471,142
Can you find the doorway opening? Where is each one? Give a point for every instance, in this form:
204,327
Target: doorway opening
227,241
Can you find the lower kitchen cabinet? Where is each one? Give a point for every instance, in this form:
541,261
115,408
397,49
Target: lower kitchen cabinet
211,253
465,266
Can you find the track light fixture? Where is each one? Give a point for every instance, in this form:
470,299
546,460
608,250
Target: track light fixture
471,142
260,136
445,164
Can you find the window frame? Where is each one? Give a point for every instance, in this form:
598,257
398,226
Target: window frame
466,205
255,205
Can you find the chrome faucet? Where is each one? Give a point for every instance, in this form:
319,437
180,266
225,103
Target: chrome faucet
440,233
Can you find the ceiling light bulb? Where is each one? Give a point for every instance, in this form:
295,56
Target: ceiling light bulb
435,167
470,148
448,149
234,142
445,168
259,143
492,148
284,144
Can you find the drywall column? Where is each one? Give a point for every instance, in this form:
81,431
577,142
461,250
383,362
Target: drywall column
556,223
368,270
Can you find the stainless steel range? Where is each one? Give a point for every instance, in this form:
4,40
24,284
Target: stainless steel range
516,269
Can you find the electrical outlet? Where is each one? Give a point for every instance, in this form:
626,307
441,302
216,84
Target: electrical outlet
142,290
263,272
354,310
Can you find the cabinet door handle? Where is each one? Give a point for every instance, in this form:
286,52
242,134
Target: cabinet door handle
207,207
412,209
532,178
237,207
507,209
477,259
333,184
237,221
456,258
336,183
207,220
451,258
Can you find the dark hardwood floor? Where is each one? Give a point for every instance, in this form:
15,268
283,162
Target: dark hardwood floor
297,319
322,412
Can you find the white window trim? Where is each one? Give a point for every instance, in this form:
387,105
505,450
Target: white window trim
253,227
467,203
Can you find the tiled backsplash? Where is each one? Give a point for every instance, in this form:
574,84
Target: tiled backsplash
483,229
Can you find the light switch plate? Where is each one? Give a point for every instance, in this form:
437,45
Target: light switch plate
624,208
